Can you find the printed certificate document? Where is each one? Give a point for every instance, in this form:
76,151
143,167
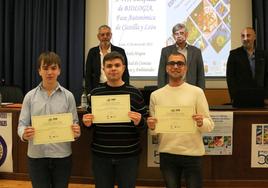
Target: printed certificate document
53,128
174,119
110,108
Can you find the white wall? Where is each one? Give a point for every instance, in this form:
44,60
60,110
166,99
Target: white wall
97,13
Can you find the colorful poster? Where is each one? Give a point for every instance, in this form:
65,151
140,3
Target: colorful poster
259,146
220,140
6,162
152,151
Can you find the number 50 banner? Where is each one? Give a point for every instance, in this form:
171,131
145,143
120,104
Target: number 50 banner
259,146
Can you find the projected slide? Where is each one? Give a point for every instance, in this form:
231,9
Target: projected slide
144,27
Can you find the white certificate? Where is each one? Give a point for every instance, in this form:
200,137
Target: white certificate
52,128
174,119
110,108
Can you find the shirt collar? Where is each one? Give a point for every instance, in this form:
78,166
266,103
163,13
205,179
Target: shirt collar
59,87
109,49
186,47
253,54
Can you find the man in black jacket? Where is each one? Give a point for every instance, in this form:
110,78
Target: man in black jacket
94,69
247,66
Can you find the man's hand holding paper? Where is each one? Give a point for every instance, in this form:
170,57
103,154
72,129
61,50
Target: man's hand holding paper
110,108
54,128
174,119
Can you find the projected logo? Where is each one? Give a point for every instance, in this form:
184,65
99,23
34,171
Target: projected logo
3,150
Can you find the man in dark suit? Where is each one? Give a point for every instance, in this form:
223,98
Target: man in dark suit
94,67
195,74
247,66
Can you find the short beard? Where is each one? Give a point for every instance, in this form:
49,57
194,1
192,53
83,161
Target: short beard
106,43
180,77
246,45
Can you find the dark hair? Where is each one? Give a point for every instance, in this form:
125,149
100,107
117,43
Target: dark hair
49,58
178,53
113,55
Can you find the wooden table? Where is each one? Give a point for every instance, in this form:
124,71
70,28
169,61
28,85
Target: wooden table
233,170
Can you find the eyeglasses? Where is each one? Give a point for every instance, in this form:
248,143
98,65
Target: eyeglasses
178,63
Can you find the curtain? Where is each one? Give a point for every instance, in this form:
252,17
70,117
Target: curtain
260,22
29,27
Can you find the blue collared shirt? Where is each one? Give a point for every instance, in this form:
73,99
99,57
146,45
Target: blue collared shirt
37,102
251,59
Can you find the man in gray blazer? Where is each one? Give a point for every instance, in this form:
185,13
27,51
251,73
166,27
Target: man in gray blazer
195,74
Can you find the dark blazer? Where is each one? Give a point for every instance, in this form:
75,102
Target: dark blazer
93,67
195,74
239,74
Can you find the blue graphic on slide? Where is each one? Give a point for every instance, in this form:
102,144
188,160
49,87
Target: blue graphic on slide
3,150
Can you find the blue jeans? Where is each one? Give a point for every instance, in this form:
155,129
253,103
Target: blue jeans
108,171
50,172
173,166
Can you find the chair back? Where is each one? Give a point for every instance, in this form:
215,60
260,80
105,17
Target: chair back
12,94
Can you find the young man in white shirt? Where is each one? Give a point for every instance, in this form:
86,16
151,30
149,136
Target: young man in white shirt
181,153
